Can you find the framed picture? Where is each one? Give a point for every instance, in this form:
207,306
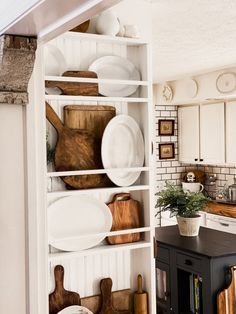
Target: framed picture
167,151
166,127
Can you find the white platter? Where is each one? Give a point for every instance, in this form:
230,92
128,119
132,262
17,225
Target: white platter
191,88
122,147
75,309
55,63
72,217
114,67
226,82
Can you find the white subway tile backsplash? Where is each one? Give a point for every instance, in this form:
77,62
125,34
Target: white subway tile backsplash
166,164
161,170
232,171
224,170
171,170
166,176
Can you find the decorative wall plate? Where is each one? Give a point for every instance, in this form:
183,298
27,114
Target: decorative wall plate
75,309
55,63
226,82
167,93
191,88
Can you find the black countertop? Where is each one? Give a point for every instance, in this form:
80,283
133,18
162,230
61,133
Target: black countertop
210,243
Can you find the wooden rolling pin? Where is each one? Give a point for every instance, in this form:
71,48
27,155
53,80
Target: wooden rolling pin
140,299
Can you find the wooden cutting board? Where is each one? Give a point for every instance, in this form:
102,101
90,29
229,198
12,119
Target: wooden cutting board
91,118
226,299
76,88
75,150
61,298
126,214
107,306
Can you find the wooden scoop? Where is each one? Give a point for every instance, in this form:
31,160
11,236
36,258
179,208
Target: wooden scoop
140,299
75,150
61,298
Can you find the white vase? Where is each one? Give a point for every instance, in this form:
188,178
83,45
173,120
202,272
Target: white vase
108,23
189,226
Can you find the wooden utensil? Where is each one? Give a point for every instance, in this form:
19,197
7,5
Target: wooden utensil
76,88
106,307
75,150
126,214
140,299
61,298
226,299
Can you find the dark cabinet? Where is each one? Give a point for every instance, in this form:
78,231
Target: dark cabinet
191,271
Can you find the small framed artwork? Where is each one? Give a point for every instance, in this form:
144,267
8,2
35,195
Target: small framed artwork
166,127
167,151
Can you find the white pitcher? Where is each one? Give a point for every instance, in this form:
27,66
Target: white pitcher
108,23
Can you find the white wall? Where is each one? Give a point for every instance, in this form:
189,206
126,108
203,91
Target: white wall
12,211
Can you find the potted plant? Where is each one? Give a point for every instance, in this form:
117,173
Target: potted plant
184,205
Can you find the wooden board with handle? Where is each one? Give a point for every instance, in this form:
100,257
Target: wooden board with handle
226,299
126,214
106,301
122,300
91,118
61,298
76,88
75,150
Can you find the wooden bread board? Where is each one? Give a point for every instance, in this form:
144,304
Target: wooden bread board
76,88
91,118
126,214
122,301
61,298
226,299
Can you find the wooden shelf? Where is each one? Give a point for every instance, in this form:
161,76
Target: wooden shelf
116,189
100,249
104,38
96,171
96,98
94,80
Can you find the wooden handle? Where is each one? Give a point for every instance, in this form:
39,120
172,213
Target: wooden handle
140,284
59,277
106,286
53,118
121,197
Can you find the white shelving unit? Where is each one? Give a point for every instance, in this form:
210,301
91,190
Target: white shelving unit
84,269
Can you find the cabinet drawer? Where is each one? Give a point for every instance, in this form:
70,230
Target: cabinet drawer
188,261
221,224
163,254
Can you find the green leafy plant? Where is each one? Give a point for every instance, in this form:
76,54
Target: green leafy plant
186,204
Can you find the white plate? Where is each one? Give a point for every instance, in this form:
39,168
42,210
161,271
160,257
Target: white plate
75,216
75,309
191,88
122,147
226,82
55,63
114,67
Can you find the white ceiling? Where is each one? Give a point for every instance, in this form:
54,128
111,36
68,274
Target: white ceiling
191,36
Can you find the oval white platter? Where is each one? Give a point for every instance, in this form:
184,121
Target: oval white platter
55,63
114,67
191,88
123,147
226,82
72,217
75,309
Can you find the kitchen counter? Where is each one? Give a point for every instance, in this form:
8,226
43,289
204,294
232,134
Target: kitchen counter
228,210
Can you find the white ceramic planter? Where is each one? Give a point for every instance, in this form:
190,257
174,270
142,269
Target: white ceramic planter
189,227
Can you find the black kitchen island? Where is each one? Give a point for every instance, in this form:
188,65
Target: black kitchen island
192,270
